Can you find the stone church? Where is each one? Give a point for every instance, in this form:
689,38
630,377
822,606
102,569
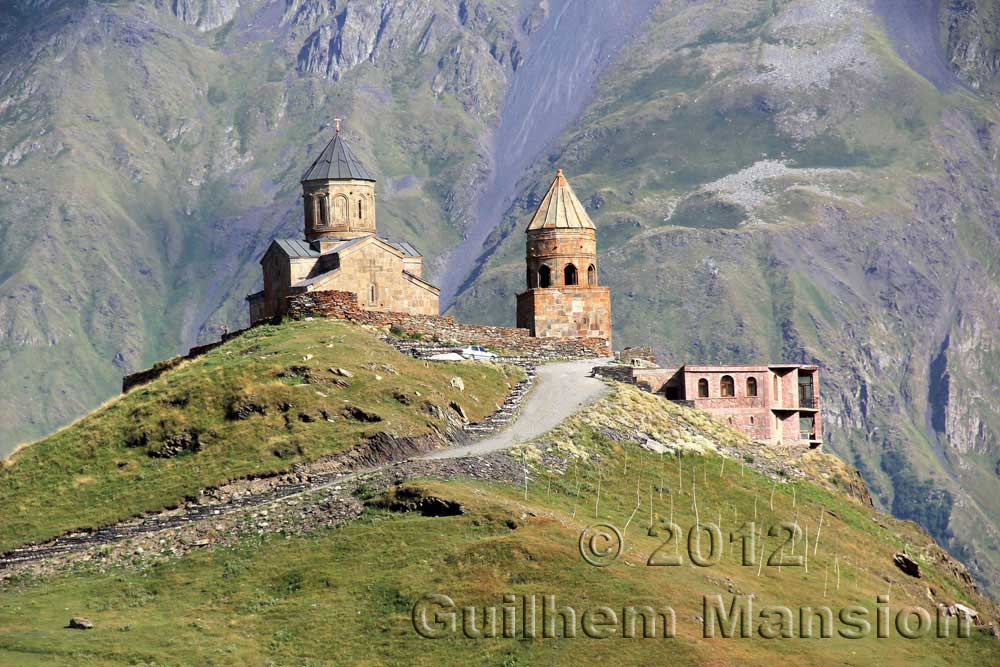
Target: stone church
341,250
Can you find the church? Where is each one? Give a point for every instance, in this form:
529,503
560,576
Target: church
341,250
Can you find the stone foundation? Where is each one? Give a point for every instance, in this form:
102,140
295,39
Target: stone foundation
566,312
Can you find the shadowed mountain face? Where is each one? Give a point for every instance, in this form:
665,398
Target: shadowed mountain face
772,181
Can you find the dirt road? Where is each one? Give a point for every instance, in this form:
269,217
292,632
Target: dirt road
560,391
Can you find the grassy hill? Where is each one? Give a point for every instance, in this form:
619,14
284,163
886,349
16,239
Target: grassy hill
346,595
263,402
776,181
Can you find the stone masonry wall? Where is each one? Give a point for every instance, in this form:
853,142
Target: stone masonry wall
372,265
566,312
344,305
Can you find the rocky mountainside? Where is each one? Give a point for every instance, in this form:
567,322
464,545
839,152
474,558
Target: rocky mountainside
796,180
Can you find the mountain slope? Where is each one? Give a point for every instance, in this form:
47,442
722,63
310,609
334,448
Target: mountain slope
264,403
774,182
478,532
147,163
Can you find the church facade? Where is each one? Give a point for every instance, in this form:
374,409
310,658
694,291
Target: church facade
341,249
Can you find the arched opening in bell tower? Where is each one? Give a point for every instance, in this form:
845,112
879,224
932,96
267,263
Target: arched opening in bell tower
544,276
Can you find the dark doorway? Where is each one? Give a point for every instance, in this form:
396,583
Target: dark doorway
807,398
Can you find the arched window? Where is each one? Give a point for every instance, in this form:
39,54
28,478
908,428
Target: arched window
702,388
340,208
359,209
324,218
569,275
591,275
372,295
544,276
751,386
727,388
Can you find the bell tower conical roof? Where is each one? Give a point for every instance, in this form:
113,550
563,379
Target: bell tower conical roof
337,162
560,209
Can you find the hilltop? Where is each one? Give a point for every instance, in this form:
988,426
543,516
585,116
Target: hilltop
262,404
332,574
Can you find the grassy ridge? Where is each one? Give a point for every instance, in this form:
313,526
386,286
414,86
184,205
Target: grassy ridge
318,600
121,461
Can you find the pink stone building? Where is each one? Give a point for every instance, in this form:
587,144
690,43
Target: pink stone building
775,404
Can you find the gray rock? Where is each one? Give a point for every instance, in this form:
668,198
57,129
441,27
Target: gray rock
80,623
906,564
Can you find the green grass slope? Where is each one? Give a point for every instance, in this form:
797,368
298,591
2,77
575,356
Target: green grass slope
771,182
256,405
346,595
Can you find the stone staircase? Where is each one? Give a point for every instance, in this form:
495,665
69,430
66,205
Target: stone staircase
508,410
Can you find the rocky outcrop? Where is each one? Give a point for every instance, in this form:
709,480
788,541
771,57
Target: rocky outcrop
973,44
203,14
474,48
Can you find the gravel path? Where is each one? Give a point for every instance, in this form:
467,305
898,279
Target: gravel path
560,391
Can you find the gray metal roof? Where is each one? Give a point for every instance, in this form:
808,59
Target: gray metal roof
404,247
295,248
337,161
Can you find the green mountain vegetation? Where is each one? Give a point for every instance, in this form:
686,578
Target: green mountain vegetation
346,594
792,182
773,180
257,406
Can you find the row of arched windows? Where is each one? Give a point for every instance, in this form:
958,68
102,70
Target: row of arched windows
338,209
570,276
727,387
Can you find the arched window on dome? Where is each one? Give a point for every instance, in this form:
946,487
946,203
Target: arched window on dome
544,276
324,214
569,275
592,275
340,208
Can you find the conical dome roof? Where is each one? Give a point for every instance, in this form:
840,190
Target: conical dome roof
337,162
560,209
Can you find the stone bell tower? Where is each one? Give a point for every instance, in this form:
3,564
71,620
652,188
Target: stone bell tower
338,195
563,298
